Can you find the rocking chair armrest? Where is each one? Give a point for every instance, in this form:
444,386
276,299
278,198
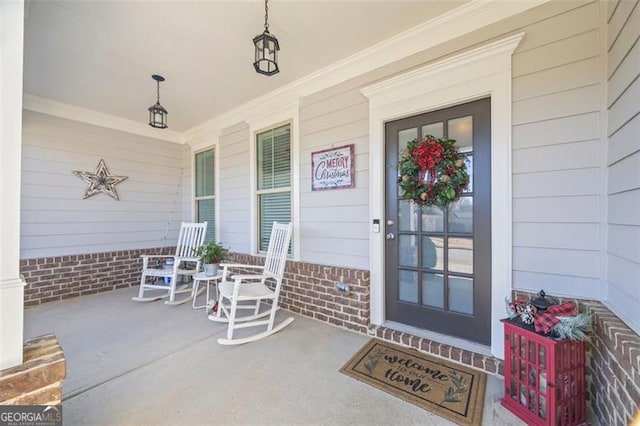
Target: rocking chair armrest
188,259
248,277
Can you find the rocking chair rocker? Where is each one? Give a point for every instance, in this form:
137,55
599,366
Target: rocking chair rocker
253,288
190,238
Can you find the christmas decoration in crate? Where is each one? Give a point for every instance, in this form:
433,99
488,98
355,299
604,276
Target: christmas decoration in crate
544,361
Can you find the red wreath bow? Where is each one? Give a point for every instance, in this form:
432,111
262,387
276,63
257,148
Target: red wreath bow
544,321
427,155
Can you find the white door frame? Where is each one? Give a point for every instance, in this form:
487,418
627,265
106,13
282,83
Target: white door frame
471,75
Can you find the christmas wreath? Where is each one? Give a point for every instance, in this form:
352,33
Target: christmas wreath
432,171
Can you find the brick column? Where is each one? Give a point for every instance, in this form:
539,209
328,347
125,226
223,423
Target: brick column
38,381
11,285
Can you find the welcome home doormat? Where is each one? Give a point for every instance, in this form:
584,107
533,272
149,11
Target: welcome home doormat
448,389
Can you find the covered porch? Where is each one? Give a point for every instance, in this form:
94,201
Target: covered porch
153,364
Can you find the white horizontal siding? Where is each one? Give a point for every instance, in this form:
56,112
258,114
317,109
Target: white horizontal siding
564,77
561,285
570,102
626,107
572,236
334,223
554,131
625,174
566,156
624,208
624,142
556,154
566,20
575,263
624,242
624,75
623,184
621,42
556,183
557,53
235,190
56,220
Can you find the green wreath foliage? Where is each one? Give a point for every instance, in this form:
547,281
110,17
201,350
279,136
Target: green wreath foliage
432,171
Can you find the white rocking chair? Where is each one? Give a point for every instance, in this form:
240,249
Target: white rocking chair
253,288
190,238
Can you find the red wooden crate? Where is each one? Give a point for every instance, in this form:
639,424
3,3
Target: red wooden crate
543,378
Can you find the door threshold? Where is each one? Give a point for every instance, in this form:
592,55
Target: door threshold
440,338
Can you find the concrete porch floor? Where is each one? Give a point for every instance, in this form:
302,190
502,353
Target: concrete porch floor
148,363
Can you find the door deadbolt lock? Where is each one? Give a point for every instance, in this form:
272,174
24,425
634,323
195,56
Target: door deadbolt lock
390,222
390,236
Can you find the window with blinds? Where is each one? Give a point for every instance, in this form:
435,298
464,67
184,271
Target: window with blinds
205,191
273,152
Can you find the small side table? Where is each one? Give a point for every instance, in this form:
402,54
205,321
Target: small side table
208,279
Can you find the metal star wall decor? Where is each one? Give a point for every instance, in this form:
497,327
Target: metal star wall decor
100,181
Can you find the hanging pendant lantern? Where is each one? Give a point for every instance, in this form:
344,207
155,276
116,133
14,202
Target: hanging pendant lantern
266,48
157,113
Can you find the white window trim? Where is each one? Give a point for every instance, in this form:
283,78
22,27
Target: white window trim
287,114
477,73
216,187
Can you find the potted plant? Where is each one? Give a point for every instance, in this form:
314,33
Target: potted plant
212,253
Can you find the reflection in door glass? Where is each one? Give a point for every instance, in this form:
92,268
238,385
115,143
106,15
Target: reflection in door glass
461,129
432,219
461,294
434,129
407,250
433,290
408,286
461,255
432,253
461,216
469,162
407,215
404,136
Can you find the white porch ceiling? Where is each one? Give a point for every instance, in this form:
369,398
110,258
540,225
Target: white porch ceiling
100,55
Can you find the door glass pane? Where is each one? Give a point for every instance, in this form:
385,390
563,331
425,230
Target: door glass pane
461,294
434,129
433,290
407,250
461,255
405,136
432,253
461,129
469,162
432,219
461,216
408,286
407,215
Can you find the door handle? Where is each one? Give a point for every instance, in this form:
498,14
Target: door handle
390,236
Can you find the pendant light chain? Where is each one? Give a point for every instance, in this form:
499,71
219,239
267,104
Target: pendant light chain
266,15
158,91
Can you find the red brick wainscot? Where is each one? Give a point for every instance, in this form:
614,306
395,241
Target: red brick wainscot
310,290
38,380
62,277
612,364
